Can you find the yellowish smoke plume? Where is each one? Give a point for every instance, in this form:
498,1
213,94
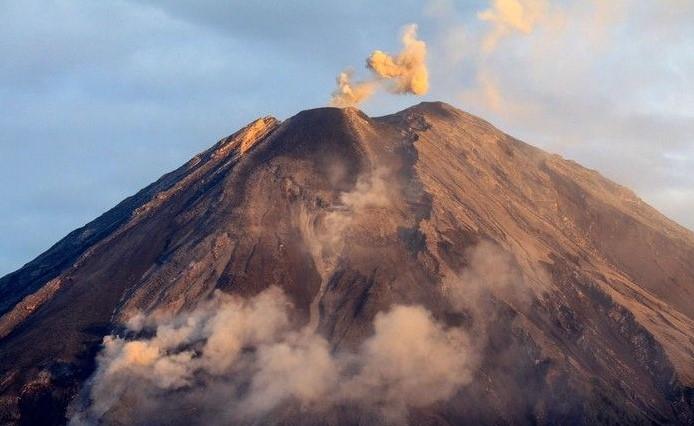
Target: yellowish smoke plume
404,72
350,93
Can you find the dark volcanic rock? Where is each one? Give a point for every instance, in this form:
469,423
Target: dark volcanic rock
599,327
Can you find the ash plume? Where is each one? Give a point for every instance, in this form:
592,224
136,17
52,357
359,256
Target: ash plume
349,93
402,73
405,72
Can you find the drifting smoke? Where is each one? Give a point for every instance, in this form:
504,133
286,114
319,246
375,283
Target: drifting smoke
350,93
370,192
325,237
491,273
410,361
406,72
209,339
237,360
507,16
403,73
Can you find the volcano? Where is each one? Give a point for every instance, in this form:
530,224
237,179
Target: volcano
575,297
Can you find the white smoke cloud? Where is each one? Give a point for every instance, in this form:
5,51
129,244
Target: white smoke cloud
242,358
405,72
370,192
325,234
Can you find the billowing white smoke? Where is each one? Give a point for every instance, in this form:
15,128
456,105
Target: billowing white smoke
405,72
209,339
411,360
241,358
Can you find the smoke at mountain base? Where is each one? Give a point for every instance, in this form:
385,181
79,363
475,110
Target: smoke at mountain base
242,358
239,360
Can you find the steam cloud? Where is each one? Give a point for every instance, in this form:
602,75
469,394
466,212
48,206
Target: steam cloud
238,359
403,73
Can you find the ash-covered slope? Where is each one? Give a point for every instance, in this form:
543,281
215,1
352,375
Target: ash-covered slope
575,298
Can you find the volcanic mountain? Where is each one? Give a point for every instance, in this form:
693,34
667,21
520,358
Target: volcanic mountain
572,300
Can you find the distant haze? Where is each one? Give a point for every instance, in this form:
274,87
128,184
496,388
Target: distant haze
100,98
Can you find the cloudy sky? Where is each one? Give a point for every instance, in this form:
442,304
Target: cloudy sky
99,98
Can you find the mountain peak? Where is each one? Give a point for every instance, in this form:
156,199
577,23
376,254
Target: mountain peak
327,114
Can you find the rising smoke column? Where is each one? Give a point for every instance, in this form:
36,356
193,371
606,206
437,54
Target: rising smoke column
349,93
403,73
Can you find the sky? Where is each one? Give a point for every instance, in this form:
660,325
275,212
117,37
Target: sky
99,99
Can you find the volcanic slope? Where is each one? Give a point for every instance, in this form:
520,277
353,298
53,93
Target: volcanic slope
579,297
